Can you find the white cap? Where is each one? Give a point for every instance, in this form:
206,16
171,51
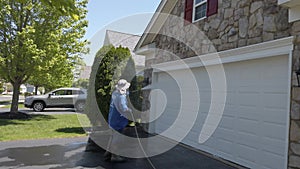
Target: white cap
122,86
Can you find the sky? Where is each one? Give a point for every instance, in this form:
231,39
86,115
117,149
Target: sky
128,16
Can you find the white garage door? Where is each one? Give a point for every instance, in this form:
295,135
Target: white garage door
253,130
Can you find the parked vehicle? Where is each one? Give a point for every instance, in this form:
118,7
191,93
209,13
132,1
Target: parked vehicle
59,98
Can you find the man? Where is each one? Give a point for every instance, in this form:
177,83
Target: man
117,119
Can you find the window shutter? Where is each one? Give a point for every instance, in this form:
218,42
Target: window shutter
212,7
188,13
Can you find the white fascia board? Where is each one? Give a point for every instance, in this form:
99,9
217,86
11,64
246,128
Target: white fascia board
289,3
294,8
145,50
256,51
294,13
148,51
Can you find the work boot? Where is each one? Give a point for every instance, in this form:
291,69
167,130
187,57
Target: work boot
107,156
117,158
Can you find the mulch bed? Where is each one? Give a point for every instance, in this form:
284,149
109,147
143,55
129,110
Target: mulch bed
18,115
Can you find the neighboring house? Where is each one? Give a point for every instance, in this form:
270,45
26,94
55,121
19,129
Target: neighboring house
82,72
85,72
126,40
230,66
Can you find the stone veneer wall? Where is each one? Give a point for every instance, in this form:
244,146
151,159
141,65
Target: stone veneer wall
294,147
240,23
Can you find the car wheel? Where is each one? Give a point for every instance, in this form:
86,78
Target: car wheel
80,106
38,106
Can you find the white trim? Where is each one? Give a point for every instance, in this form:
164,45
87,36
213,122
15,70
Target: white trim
289,3
294,13
289,105
294,7
148,51
153,107
261,50
194,10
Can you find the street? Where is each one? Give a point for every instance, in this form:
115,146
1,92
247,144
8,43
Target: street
47,111
9,98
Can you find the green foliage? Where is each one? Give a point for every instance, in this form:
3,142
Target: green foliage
36,40
115,64
64,7
136,96
110,65
1,87
81,83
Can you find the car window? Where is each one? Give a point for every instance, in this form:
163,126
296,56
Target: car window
77,92
59,92
68,92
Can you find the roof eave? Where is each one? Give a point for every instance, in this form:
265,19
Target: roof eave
156,22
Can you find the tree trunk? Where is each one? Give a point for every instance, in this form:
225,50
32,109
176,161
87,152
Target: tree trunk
36,90
15,99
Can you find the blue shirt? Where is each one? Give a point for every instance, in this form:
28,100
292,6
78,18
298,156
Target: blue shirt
117,109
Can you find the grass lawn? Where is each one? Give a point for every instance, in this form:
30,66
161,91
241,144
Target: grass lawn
43,126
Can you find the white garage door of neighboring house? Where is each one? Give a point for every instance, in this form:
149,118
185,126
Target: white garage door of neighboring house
253,130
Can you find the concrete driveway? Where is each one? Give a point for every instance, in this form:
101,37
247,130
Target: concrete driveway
70,153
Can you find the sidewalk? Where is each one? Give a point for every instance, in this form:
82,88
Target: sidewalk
70,153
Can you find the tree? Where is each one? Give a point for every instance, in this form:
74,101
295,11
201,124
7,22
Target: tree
110,65
81,83
35,38
65,7
58,75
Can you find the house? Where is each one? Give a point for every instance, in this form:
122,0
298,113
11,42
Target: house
85,72
126,40
222,78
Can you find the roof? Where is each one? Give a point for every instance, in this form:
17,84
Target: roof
125,40
85,72
156,22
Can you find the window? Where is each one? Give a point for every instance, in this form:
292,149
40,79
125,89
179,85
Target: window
68,92
199,9
59,92
77,92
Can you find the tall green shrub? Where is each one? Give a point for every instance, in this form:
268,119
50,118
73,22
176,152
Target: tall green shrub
110,64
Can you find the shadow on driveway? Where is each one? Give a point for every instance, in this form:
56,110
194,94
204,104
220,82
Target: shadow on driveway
72,155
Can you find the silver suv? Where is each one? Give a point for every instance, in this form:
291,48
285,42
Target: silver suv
62,98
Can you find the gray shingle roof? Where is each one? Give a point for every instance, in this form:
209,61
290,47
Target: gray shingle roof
125,40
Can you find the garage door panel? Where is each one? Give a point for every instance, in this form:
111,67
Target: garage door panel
247,126
274,146
230,110
248,112
273,115
247,154
276,161
274,131
253,128
277,101
248,99
223,134
226,148
226,122
248,140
